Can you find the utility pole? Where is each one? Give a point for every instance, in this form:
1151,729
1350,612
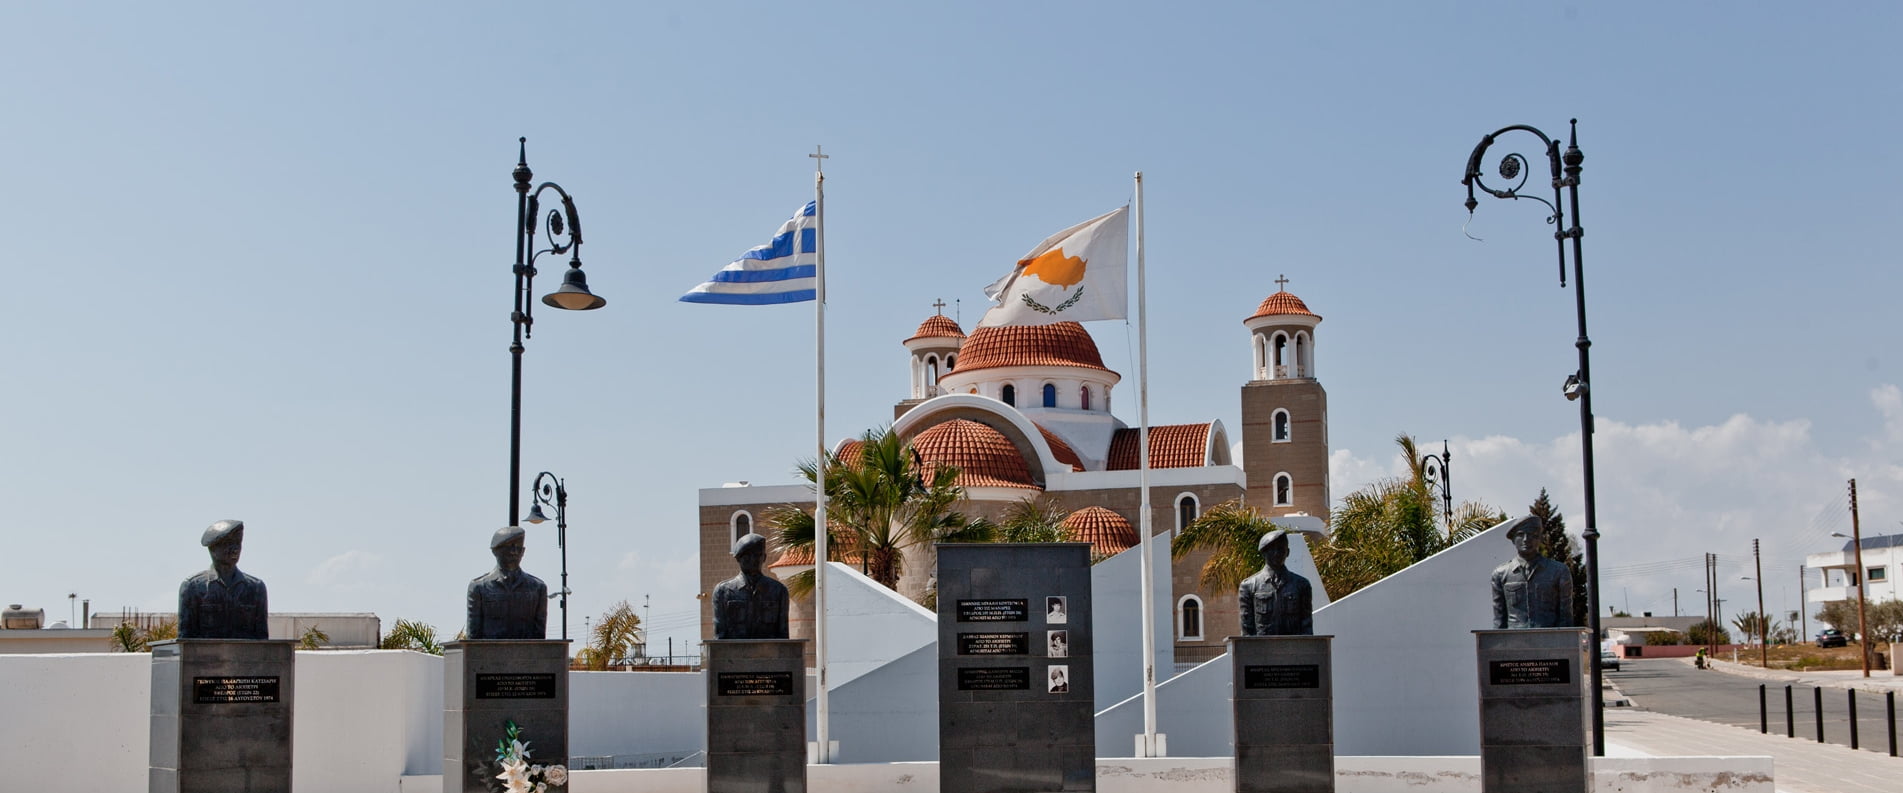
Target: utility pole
1711,620
1674,601
1764,659
1802,607
1856,536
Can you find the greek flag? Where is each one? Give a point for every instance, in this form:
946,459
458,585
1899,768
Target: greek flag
776,272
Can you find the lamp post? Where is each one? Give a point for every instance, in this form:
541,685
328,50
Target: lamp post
1437,473
563,230
549,489
1565,169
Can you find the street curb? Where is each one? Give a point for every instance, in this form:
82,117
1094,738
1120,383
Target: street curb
1740,670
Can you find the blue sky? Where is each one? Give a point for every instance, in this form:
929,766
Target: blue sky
259,263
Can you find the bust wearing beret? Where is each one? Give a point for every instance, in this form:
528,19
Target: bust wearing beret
223,603
1276,601
508,603
1531,591
751,605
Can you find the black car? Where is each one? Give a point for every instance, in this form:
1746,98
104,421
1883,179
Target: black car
1832,638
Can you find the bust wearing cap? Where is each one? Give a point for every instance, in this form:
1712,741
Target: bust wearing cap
1531,591
508,603
751,605
223,603
1276,601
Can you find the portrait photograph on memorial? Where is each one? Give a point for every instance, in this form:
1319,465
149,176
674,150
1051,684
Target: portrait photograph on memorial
1056,611
1057,644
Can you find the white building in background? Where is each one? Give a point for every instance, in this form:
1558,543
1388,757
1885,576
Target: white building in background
1837,576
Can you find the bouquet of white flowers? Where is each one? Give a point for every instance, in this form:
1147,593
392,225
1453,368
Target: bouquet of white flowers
518,775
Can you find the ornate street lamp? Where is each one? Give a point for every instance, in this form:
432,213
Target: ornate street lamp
1437,473
1564,167
563,235
550,490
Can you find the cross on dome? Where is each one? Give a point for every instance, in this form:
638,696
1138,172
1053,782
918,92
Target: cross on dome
1282,282
940,305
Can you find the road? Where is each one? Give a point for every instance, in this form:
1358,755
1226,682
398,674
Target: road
1674,687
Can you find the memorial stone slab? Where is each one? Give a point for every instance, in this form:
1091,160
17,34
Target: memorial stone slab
756,715
1283,696
489,684
221,716
1015,674
1533,712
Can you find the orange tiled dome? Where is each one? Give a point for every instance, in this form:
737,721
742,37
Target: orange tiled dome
1061,344
1107,532
938,325
844,549
1171,446
1283,302
985,458
1061,450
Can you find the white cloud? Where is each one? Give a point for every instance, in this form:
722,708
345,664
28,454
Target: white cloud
1667,492
349,570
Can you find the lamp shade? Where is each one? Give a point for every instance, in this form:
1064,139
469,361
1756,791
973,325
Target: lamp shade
535,515
574,294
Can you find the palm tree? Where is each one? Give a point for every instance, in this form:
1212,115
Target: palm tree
1032,520
1230,532
127,638
412,635
1390,524
877,506
614,638
313,639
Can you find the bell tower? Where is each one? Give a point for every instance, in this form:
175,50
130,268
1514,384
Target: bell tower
1285,411
934,350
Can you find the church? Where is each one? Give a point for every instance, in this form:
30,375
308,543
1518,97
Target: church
1023,411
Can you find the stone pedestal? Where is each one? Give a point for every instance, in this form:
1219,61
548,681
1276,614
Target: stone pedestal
221,716
487,684
756,715
1533,716
1283,692
1016,675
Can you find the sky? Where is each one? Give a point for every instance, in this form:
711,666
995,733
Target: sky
259,265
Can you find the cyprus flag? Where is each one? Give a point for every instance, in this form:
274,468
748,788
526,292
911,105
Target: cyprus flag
1077,275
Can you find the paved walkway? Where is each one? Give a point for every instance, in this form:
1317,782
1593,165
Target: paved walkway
1801,766
1880,680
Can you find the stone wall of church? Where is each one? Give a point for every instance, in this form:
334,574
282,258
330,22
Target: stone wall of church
1304,457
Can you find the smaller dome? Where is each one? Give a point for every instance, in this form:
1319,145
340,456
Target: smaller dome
938,326
1057,344
1283,302
984,457
1107,532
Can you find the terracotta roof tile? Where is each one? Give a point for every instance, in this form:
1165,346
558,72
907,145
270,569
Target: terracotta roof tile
1107,532
1061,450
1171,446
985,458
1061,344
938,326
1282,303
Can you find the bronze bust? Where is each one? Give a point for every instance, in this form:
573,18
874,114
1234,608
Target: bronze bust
1276,601
223,603
508,603
751,605
1531,591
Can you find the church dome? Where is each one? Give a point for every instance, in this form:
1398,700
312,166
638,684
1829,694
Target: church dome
1282,303
984,457
1060,344
1107,532
938,326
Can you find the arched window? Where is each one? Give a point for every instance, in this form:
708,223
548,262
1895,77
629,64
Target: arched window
1186,511
1280,361
1284,490
951,362
1261,358
1281,423
1083,396
1009,395
1302,362
931,370
1189,618
742,524
1050,395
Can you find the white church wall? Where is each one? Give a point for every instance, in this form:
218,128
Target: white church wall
1403,662
1116,624
869,625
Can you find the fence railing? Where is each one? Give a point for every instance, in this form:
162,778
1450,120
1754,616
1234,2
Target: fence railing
1817,709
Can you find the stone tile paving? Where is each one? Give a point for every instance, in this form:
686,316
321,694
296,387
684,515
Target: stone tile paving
1801,766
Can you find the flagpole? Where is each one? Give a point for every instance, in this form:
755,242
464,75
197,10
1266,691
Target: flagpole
1147,742
822,754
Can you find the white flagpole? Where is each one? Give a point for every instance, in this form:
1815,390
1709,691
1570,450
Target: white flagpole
822,754
1147,743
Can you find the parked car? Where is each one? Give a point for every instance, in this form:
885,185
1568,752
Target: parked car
1831,637
1609,659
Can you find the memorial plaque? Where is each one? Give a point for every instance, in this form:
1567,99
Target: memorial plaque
994,610
997,678
524,685
1282,676
1534,672
755,684
994,644
231,690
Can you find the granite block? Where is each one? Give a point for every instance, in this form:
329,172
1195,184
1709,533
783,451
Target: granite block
1533,710
221,716
489,684
1541,769
756,715
1285,769
1282,700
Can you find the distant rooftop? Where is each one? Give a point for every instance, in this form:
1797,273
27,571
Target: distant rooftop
1881,541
